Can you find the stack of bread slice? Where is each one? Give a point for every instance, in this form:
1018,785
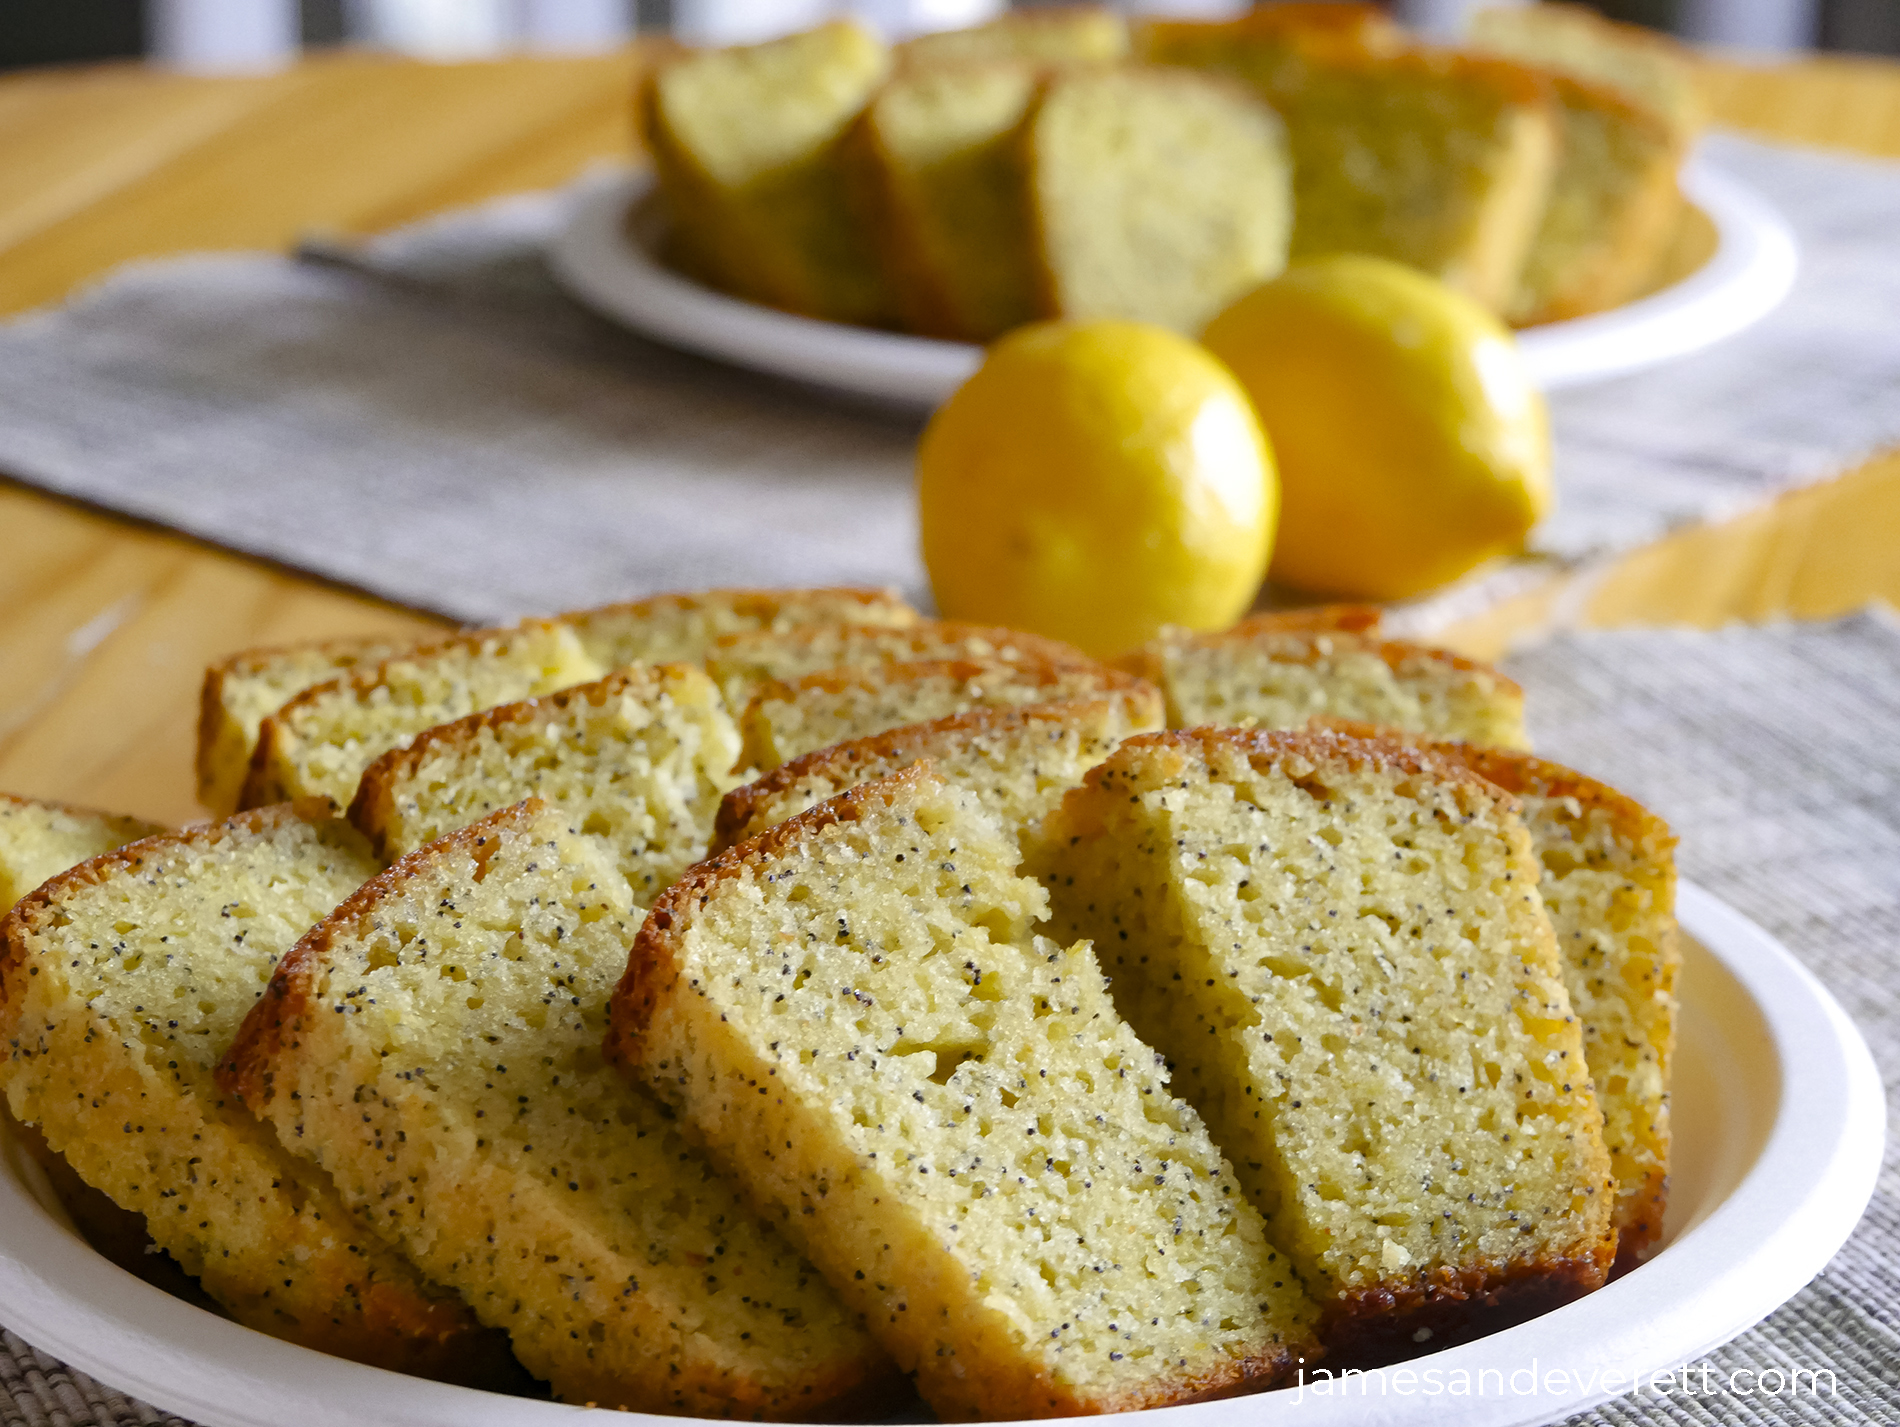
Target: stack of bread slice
1060,1035
1056,164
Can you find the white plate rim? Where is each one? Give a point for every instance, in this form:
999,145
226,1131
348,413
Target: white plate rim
1750,272
1759,1246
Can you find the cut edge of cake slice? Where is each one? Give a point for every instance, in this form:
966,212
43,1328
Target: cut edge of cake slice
1019,1054
40,839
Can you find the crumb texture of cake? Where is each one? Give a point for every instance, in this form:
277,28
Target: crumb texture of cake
1613,205
1017,762
436,1044
683,627
1646,65
1421,155
639,759
121,984
944,1110
786,720
941,148
1273,673
39,840
244,690
747,145
1609,885
1064,34
1157,195
319,743
1339,946
742,663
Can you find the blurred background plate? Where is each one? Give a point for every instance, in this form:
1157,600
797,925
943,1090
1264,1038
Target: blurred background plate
1733,261
1779,1124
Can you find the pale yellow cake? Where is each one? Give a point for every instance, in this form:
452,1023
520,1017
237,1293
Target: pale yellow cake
319,743
121,983
1016,762
39,840
747,145
1156,195
244,690
435,1044
1609,885
1274,672
1645,64
684,627
1426,156
639,759
1339,945
854,1015
942,152
788,719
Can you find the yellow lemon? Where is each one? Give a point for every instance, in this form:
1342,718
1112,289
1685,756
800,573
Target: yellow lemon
1411,442
1094,481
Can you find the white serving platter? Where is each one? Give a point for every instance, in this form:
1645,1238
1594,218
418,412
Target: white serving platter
605,257
1779,1128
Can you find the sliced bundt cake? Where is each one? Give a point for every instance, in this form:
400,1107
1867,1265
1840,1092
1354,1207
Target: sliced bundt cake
1609,885
788,719
435,1044
1016,762
121,983
639,759
244,690
944,1110
743,663
1273,673
39,840
319,743
1156,195
747,145
941,148
1338,944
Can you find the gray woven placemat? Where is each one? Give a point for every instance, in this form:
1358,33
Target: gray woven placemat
454,434
1775,752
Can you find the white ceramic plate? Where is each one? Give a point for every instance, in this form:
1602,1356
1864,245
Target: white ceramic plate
1749,272
1779,1126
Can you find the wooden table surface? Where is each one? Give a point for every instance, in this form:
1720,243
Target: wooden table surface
106,626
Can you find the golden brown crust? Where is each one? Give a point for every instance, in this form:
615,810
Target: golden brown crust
739,807
246,1069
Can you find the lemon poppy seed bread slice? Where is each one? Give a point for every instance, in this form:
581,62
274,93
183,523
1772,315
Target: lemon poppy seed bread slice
121,983
1271,673
319,743
1016,762
684,627
945,1112
1157,195
435,1044
742,663
747,143
242,691
39,840
785,720
1609,885
941,148
1339,945
639,759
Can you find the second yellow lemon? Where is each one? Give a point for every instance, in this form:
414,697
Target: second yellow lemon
1412,444
1094,481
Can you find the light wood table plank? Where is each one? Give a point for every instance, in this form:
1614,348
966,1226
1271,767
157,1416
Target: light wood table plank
105,626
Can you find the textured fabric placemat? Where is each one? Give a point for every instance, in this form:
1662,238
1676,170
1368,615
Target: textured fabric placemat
454,434
1775,753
